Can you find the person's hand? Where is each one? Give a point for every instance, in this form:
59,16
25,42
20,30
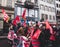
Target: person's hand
29,38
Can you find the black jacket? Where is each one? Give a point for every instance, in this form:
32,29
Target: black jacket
45,35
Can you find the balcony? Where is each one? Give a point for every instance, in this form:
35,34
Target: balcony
7,8
28,5
18,1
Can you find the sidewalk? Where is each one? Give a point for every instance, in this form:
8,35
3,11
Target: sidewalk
4,42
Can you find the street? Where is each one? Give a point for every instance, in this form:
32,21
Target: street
4,42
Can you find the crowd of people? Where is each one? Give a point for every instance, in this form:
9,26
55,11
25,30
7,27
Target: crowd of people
39,34
34,35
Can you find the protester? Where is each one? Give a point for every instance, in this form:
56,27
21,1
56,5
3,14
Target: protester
12,36
5,27
44,36
37,35
34,42
58,38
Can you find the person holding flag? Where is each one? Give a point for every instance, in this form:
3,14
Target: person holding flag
51,31
16,22
6,21
49,34
6,17
35,36
44,37
24,17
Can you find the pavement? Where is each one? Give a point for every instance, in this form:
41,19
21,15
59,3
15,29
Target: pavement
4,42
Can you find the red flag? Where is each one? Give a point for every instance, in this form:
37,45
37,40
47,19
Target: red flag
49,27
52,37
23,15
11,35
24,24
36,35
6,17
32,30
25,42
14,22
17,19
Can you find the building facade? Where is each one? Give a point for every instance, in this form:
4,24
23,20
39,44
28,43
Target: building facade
31,9
58,11
43,9
47,10
8,6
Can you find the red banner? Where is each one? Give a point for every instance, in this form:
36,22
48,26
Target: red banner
36,35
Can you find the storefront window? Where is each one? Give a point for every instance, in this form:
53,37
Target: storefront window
9,3
31,13
19,11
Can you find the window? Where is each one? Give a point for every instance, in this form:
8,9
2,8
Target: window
31,12
53,17
36,13
53,9
46,16
9,3
50,17
36,1
42,16
19,11
50,9
46,0
59,5
56,5
46,8
50,1
58,12
53,1
0,2
42,7
26,12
